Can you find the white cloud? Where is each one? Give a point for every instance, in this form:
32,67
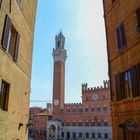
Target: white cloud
88,55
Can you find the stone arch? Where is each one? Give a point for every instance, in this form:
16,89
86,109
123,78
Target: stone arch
52,131
130,124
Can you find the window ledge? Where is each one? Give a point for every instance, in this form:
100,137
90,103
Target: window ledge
7,54
1,110
127,100
136,98
122,50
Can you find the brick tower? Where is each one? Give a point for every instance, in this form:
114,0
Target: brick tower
59,56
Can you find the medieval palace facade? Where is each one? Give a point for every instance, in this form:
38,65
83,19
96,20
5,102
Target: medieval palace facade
88,120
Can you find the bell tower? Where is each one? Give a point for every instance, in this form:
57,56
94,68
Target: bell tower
59,57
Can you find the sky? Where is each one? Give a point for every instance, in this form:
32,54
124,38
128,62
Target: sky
82,24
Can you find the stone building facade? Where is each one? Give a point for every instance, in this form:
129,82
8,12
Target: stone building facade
38,121
122,21
17,20
39,125
90,119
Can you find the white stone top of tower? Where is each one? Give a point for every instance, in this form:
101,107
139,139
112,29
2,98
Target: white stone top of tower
59,53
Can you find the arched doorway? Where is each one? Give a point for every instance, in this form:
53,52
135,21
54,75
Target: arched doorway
54,129
52,132
131,131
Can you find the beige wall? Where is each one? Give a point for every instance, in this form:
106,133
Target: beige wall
18,75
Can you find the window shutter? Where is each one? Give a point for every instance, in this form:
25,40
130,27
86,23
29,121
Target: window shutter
118,37
138,17
118,83
123,39
134,81
7,97
16,46
7,28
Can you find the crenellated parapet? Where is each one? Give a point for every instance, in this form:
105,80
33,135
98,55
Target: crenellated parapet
92,89
72,105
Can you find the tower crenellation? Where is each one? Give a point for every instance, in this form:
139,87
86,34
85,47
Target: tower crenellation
86,88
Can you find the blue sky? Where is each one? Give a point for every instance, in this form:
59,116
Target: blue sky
82,24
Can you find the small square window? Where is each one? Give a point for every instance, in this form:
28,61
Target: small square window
4,95
92,109
106,136
98,123
79,123
74,135
87,123
86,109
99,135
80,110
93,123
62,134
105,109
74,124
93,135
98,109
105,123
104,98
80,135
87,135
67,123
74,110
86,98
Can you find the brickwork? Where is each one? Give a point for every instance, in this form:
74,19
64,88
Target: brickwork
59,56
120,61
93,113
76,112
38,121
13,122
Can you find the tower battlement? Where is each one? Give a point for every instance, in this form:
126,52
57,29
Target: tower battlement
86,88
73,104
